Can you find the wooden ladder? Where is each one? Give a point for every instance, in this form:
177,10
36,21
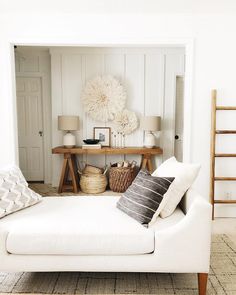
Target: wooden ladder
214,132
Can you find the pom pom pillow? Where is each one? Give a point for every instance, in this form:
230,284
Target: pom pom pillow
184,175
14,192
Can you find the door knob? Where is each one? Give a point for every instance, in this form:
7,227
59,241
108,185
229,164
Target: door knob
40,133
176,136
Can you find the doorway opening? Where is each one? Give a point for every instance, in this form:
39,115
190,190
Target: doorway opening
33,107
150,74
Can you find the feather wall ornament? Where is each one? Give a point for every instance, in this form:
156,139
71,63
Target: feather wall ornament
103,97
126,122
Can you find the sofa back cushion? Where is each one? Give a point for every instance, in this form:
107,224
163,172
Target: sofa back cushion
14,192
143,197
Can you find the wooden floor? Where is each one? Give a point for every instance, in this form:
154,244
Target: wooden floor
46,190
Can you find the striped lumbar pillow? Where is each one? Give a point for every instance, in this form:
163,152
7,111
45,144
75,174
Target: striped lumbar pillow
143,197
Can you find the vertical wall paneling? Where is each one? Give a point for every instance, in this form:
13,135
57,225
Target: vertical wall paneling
94,66
71,87
154,91
72,83
56,84
115,64
148,75
134,83
83,123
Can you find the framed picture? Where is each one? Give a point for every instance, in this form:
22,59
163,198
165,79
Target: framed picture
103,134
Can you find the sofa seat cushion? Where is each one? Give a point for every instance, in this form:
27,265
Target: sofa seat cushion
164,223
89,225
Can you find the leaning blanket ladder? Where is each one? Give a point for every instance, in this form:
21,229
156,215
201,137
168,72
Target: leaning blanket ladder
214,155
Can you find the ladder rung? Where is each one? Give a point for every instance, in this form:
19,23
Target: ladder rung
225,201
225,178
225,155
226,108
225,131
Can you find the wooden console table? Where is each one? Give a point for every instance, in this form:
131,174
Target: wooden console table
70,166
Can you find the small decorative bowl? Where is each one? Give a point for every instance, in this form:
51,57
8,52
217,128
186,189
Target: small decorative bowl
91,141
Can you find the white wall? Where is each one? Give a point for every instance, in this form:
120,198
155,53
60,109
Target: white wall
148,76
214,61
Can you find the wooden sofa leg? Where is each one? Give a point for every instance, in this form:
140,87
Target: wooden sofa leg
202,283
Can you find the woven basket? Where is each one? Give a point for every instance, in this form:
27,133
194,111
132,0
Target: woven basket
120,178
87,168
92,169
91,183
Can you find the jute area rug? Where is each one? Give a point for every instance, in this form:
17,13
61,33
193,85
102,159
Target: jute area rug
222,279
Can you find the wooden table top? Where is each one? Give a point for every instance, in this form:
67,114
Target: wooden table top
109,151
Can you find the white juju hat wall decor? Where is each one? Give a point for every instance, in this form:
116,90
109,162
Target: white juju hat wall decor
103,97
126,121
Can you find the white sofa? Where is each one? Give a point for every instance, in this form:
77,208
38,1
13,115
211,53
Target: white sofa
90,234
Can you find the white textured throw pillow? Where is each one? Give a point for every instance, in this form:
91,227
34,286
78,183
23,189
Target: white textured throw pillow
14,171
14,192
184,175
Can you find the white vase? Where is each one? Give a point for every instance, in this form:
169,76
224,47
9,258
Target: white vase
149,141
69,140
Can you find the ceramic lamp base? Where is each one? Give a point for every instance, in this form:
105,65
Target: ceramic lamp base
150,140
69,140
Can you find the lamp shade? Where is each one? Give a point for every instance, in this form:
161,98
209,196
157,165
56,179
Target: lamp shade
150,123
68,123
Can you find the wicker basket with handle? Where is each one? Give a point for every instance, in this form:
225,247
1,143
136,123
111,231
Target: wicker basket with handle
93,183
90,168
120,178
93,180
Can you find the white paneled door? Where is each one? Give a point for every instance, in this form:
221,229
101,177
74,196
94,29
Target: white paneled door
30,127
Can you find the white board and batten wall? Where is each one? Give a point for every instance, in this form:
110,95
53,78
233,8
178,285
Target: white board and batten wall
148,75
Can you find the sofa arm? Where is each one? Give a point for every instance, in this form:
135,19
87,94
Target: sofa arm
3,238
187,244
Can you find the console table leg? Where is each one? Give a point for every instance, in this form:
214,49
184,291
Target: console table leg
149,165
69,167
73,174
63,175
75,170
146,163
143,162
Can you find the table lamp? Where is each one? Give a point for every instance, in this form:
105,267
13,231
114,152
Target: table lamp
68,123
150,124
